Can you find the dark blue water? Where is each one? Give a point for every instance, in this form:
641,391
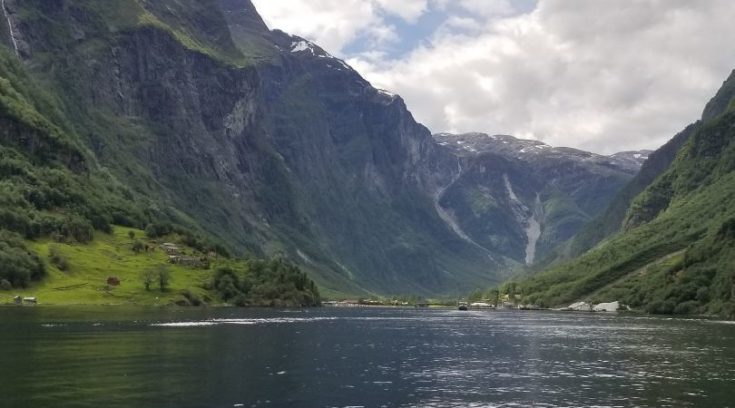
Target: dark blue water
360,358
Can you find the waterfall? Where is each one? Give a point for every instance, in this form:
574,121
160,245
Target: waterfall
530,219
10,28
533,231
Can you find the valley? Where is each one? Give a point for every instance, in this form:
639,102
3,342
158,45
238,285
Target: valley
260,145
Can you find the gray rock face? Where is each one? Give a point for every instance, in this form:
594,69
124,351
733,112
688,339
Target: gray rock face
269,142
260,138
521,198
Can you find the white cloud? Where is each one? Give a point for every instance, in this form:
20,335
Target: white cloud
409,10
599,75
333,24
487,8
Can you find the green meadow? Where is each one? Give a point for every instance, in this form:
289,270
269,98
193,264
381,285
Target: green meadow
110,255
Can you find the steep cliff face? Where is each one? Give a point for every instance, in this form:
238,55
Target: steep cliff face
254,136
521,198
365,172
263,140
610,221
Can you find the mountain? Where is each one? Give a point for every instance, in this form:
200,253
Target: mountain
193,117
611,220
195,113
676,243
520,198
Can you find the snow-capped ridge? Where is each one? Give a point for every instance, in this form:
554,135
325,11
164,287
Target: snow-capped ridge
299,46
386,93
529,150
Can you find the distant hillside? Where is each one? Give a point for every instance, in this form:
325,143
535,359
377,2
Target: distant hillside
677,246
611,220
519,198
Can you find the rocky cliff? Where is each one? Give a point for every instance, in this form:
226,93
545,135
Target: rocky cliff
521,198
210,120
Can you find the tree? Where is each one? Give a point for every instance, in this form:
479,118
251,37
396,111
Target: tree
227,283
5,285
148,276
58,259
512,292
475,296
138,246
494,296
164,278
131,234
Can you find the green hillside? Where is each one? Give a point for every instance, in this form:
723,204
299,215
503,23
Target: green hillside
73,172
59,205
78,274
611,220
194,113
678,246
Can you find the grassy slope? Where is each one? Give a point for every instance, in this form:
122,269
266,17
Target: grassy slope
56,115
108,255
197,25
687,209
610,222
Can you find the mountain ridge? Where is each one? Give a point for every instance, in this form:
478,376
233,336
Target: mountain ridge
529,191
203,117
672,248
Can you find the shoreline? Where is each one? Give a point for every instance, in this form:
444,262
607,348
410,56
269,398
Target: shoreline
626,313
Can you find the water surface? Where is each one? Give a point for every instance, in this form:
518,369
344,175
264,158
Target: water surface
117,357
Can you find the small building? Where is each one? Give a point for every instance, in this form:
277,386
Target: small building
190,261
171,249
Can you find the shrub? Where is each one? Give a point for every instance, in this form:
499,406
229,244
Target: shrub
266,283
661,307
703,294
689,307
188,298
164,278
78,229
148,276
5,284
57,259
156,230
19,265
226,283
138,246
727,229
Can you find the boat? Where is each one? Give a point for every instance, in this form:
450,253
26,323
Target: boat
463,306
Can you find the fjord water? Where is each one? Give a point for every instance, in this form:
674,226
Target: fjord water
117,357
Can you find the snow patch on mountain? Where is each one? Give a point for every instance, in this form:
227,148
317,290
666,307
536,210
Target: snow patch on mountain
531,150
303,45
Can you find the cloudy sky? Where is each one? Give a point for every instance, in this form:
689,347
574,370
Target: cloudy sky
599,75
